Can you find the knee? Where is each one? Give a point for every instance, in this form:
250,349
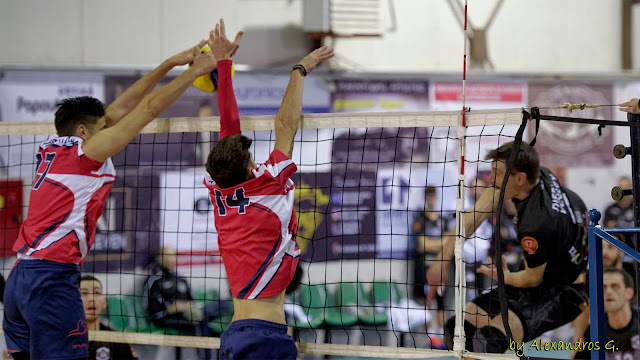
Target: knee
490,340
469,331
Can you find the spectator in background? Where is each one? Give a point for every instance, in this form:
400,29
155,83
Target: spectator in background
614,257
620,213
94,302
428,228
167,298
168,302
621,328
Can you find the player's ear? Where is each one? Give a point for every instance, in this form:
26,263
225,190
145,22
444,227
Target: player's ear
82,131
521,178
628,293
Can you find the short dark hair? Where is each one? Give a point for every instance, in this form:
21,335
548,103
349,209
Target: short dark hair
75,111
90,278
527,159
430,190
229,160
626,278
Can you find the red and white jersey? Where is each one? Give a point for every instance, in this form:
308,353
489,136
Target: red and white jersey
257,227
67,198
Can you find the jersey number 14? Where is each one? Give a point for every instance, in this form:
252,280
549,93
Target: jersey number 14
237,200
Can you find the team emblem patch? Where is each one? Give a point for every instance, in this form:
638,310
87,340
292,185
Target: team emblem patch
529,244
103,353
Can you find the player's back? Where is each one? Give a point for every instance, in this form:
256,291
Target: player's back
67,198
558,215
257,228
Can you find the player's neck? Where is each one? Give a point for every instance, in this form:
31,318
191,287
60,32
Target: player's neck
94,324
526,190
621,318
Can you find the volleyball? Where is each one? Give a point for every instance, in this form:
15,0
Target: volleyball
209,82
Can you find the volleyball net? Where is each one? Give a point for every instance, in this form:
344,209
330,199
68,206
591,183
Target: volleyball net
374,194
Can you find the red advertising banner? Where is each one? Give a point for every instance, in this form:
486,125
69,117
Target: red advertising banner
480,92
10,214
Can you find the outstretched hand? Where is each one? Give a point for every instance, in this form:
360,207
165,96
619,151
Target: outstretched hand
317,56
631,106
187,56
221,47
492,271
204,63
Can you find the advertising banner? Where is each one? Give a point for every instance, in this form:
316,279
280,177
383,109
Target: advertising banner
570,144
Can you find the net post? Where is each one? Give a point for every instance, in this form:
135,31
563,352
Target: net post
596,309
459,339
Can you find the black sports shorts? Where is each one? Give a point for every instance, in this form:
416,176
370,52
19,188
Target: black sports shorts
540,309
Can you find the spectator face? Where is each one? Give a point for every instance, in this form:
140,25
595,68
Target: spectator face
431,200
169,258
611,255
616,295
93,300
626,201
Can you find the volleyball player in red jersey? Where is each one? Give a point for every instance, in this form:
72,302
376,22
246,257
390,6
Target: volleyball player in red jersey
43,315
254,213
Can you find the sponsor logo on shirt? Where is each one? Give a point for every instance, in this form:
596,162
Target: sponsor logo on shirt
529,244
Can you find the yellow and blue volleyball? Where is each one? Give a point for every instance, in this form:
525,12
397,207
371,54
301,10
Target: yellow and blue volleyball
209,82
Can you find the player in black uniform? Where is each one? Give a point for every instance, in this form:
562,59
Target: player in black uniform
94,303
551,227
622,322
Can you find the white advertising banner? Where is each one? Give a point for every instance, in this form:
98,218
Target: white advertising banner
186,216
33,95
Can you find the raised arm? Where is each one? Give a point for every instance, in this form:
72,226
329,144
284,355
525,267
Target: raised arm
128,100
288,115
482,210
223,50
108,142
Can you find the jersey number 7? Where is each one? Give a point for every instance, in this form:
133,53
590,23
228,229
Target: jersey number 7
49,160
237,200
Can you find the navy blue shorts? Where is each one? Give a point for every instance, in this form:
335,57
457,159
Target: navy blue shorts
43,312
257,339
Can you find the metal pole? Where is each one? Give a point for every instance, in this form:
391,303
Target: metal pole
595,289
634,119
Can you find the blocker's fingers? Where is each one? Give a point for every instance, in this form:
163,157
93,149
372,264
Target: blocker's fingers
238,37
223,32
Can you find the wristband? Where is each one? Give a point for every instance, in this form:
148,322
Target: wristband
303,71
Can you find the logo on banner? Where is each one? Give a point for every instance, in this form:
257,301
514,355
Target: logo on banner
529,244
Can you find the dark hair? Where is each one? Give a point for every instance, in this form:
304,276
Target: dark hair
527,160
90,278
82,110
626,278
430,190
229,160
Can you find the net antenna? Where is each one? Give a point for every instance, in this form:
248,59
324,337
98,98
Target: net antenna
477,36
